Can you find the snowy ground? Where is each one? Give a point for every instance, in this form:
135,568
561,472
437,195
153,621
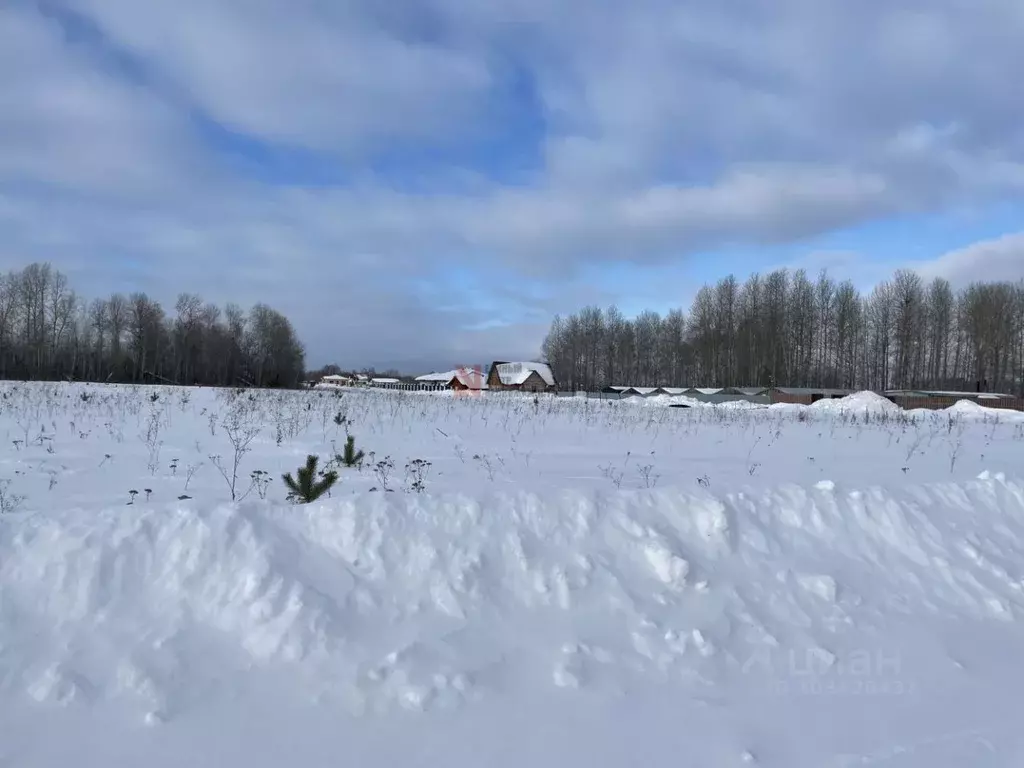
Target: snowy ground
579,583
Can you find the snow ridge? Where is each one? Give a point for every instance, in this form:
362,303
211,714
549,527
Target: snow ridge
378,601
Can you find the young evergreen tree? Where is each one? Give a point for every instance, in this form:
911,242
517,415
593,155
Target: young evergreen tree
308,488
351,457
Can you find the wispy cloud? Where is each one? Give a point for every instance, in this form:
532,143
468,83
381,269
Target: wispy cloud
1001,258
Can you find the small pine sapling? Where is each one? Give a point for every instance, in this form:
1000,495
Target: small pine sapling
307,488
350,457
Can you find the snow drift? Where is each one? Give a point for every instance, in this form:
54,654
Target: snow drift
384,603
871,402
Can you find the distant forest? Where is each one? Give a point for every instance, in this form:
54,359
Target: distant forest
49,332
784,329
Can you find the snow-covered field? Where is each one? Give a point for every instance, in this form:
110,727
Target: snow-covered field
507,583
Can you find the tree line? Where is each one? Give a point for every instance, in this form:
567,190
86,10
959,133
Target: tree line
49,332
785,329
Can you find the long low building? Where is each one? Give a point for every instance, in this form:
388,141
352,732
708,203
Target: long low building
806,395
711,395
940,398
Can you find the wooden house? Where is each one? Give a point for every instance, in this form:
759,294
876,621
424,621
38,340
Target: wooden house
459,380
521,377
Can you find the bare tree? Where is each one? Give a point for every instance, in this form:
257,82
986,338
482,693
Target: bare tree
48,332
782,329
117,317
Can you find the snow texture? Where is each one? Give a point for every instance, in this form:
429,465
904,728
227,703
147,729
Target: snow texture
580,583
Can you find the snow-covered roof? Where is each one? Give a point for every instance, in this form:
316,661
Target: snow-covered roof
385,381
469,378
514,374
803,391
645,391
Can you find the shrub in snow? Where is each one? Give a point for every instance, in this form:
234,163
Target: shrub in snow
9,502
308,488
416,472
383,469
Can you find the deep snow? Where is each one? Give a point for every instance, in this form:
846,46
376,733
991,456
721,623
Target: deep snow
581,583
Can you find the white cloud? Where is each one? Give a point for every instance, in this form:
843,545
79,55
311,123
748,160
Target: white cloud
669,129
311,74
998,259
65,121
993,260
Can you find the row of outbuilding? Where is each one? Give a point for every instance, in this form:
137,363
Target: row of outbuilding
689,391
937,398
906,398
359,380
536,377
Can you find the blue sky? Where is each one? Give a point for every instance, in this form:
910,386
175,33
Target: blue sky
426,183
